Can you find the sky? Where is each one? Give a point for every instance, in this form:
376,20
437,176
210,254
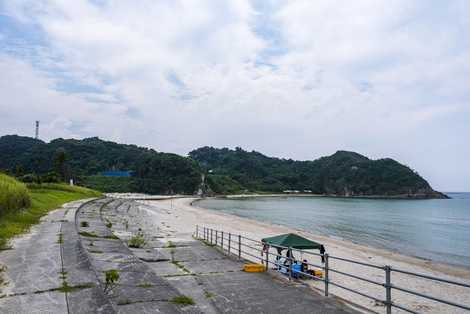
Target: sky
292,79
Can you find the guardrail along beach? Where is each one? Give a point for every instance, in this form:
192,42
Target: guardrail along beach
253,250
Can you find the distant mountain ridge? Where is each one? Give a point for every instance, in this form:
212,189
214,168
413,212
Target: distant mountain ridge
341,174
226,171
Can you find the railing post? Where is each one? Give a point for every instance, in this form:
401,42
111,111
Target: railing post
222,241
289,251
229,242
197,232
216,236
211,235
267,257
327,277
239,246
388,289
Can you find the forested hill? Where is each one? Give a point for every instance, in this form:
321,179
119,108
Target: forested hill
84,159
343,174
227,171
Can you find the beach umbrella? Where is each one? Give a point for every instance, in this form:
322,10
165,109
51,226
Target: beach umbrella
292,240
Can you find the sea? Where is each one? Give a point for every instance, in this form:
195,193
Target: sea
434,229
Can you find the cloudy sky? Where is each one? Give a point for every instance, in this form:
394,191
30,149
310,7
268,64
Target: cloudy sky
295,79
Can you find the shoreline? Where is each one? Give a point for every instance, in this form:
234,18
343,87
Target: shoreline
183,218
372,197
447,268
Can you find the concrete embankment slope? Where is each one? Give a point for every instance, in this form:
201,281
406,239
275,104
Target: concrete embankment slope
46,271
60,267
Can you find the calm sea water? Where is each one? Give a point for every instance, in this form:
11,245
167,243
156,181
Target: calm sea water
438,230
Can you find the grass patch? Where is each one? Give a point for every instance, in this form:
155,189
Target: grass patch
183,300
111,237
145,285
44,197
94,235
65,288
137,241
88,234
13,195
84,224
96,251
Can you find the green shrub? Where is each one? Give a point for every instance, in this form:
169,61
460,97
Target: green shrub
84,224
13,195
137,241
111,279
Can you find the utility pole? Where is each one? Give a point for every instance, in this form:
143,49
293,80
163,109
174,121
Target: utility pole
37,130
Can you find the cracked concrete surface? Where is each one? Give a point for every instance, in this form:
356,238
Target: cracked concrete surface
212,279
60,267
46,271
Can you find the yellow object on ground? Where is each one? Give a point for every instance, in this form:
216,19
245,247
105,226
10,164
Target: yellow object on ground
253,268
318,273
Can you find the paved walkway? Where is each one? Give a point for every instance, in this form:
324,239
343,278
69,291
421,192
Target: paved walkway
60,268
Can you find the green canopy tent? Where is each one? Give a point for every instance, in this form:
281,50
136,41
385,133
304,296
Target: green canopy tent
293,241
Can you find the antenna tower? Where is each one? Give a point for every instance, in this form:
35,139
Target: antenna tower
37,130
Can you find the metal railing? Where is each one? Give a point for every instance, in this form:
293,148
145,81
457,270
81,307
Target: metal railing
238,245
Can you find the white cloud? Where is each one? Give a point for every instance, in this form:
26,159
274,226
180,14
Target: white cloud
377,77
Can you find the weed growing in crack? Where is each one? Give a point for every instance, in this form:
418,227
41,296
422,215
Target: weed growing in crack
109,224
60,240
96,251
170,244
123,301
178,264
111,237
137,241
208,295
183,300
2,269
88,234
111,279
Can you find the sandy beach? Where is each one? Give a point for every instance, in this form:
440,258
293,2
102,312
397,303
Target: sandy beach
183,217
